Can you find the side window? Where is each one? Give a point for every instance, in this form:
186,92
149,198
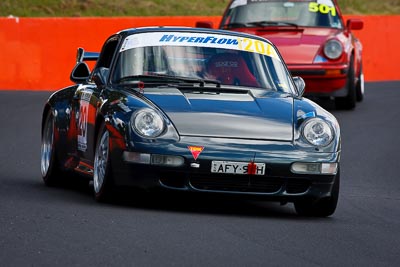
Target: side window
103,64
107,53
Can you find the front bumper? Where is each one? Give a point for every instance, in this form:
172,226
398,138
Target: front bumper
278,183
322,80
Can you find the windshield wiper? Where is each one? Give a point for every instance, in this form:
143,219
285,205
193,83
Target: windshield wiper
214,90
201,81
147,78
272,23
167,79
235,25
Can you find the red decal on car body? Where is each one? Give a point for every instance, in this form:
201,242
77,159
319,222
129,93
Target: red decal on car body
251,168
196,150
141,87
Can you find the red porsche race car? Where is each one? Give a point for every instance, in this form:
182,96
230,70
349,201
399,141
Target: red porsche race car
314,40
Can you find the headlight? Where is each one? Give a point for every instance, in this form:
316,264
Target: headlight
333,49
148,123
317,132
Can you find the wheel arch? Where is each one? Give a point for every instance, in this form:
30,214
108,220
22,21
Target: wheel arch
100,119
46,110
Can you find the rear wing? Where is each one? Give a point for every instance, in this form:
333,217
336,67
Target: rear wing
81,72
82,55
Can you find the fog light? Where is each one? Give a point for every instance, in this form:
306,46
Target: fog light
314,168
165,160
135,157
311,168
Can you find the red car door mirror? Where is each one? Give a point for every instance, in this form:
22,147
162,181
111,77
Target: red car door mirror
355,24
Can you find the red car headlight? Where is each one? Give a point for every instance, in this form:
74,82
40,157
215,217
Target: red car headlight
333,49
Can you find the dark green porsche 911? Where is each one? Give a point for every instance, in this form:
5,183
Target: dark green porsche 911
201,110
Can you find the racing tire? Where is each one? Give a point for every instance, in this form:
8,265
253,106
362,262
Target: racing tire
348,102
49,165
103,185
360,89
320,208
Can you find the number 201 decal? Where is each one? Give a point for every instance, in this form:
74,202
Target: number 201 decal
84,105
324,9
257,46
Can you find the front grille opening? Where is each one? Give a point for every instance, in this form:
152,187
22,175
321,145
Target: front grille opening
236,183
175,181
297,186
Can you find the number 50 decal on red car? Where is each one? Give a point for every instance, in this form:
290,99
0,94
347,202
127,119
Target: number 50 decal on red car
324,9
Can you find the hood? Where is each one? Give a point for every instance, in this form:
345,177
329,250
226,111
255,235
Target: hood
296,45
229,115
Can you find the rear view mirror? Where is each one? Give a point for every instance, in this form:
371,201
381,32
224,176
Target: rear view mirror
300,85
80,73
100,76
355,24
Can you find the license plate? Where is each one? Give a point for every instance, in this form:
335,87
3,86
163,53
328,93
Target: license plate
238,167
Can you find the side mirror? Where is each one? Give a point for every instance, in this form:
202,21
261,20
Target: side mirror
204,24
100,76
80,73
300,85
355,24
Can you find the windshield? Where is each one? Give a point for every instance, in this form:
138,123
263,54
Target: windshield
189,57
305,13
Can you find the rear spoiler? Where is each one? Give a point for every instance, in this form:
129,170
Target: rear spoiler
81,72
81,55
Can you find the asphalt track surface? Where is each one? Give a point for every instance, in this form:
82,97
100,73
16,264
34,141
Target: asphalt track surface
64,226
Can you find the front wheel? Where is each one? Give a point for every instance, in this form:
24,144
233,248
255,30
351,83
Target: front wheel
349,101
102,174
360,86
320,208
